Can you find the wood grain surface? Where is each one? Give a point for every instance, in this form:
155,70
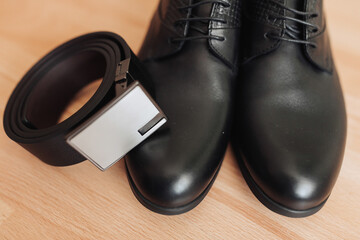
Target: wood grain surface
38,201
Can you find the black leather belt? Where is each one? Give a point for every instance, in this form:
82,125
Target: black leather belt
116,118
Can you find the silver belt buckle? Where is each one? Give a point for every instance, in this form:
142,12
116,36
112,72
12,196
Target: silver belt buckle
120,125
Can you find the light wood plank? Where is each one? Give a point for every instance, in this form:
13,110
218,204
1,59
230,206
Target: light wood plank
38,201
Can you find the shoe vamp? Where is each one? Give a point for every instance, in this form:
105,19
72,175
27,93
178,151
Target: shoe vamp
294,123
194,89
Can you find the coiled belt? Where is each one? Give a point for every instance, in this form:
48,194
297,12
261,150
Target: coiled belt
116,118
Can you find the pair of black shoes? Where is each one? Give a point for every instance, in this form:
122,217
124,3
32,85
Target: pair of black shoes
258,71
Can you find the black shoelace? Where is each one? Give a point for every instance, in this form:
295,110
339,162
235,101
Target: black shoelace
205,20
292,33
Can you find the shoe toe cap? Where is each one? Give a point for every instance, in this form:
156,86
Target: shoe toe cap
164,190
300,193
168,178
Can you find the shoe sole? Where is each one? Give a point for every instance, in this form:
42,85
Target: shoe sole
267,201
169,211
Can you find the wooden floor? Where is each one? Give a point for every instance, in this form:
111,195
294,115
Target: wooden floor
38,201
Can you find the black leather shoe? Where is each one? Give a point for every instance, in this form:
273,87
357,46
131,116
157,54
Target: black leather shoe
291,120
191,52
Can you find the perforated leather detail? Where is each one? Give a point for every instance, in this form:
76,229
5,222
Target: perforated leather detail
232,15
260,10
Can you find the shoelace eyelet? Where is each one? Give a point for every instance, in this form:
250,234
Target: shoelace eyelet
266,35
226,5
292,33
191,18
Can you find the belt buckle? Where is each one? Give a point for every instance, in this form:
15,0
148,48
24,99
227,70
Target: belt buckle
120,125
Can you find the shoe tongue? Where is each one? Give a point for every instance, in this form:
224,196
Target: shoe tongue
203,10
295,4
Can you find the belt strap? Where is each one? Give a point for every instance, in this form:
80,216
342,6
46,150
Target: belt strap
42,95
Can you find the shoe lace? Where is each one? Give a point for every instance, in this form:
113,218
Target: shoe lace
193,19
292,32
